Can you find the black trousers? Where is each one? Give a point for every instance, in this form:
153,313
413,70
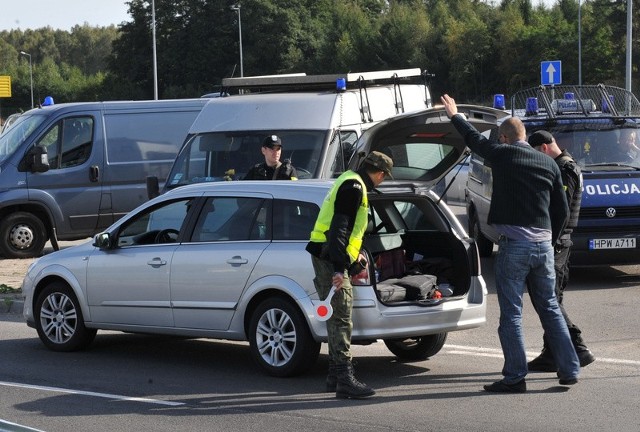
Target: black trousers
561,265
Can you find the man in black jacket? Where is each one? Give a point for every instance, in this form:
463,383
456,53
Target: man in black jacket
572,179
272,168
529,210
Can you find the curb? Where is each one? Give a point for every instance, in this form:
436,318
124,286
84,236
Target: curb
11,306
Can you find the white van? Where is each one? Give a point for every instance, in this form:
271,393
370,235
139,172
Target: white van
317,117
70,170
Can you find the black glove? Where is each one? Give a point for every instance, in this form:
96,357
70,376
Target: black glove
357,267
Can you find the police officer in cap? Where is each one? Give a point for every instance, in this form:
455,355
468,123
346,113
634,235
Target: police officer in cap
272,168
544,142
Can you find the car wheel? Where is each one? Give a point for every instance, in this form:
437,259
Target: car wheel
280,340
23,235
59,320
416,348
485,246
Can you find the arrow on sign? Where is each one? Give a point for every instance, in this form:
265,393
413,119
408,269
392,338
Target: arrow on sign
550,71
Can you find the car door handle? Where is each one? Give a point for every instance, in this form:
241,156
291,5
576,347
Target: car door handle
156,262
94,173
475,180
237,260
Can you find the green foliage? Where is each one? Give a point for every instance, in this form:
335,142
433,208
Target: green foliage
474,47
5,289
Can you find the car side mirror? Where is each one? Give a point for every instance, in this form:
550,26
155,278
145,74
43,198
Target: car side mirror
102,240
36,160
153,187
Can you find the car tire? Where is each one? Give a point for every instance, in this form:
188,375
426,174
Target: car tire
59,319
416,348
22,235
280,340
485,246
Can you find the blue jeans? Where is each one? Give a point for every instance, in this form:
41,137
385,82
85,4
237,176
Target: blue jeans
517,260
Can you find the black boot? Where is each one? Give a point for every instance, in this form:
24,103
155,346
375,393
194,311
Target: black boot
585,356
543,363
348,387
332,378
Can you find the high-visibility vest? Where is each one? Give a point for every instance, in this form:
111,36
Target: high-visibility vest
323,223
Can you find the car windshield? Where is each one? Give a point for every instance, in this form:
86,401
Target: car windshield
600,146
13,137
229,156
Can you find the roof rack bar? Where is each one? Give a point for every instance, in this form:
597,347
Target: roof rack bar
302,79
605,97
547,101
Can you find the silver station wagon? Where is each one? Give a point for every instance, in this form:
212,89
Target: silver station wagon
227,260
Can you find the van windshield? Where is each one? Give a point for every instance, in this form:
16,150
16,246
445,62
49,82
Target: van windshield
600,146
229,156
12,138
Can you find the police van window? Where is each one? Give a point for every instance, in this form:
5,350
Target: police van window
593,146
345,144
68,142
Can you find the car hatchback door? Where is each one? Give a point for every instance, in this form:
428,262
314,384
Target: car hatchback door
424,145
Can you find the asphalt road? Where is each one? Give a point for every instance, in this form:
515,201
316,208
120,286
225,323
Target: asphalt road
129,382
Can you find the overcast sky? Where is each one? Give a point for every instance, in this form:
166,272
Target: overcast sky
64,14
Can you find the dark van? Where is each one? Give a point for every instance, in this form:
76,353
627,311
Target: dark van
70,170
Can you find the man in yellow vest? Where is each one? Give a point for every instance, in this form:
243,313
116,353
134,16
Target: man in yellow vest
335,248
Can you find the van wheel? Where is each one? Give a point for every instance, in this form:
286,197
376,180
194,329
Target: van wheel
416,348
280,340
59,319
22,235
485,246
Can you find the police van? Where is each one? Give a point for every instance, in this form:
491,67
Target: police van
317,117
598,125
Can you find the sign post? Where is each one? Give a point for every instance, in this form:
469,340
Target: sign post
551,72
5,88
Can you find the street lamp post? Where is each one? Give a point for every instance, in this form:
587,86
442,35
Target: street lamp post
579,42
30,73
155,58
237,9
629,45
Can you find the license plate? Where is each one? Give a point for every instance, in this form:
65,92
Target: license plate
614,243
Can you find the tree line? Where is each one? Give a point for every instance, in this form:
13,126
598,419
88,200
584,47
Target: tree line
474,48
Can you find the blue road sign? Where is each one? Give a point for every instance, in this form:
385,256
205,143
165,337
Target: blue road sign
551,72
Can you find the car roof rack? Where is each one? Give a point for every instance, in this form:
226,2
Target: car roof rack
302,81
562,101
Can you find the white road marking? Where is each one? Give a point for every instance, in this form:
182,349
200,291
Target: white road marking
497,353
9,426
94,394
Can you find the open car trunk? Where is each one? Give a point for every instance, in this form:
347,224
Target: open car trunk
424,262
